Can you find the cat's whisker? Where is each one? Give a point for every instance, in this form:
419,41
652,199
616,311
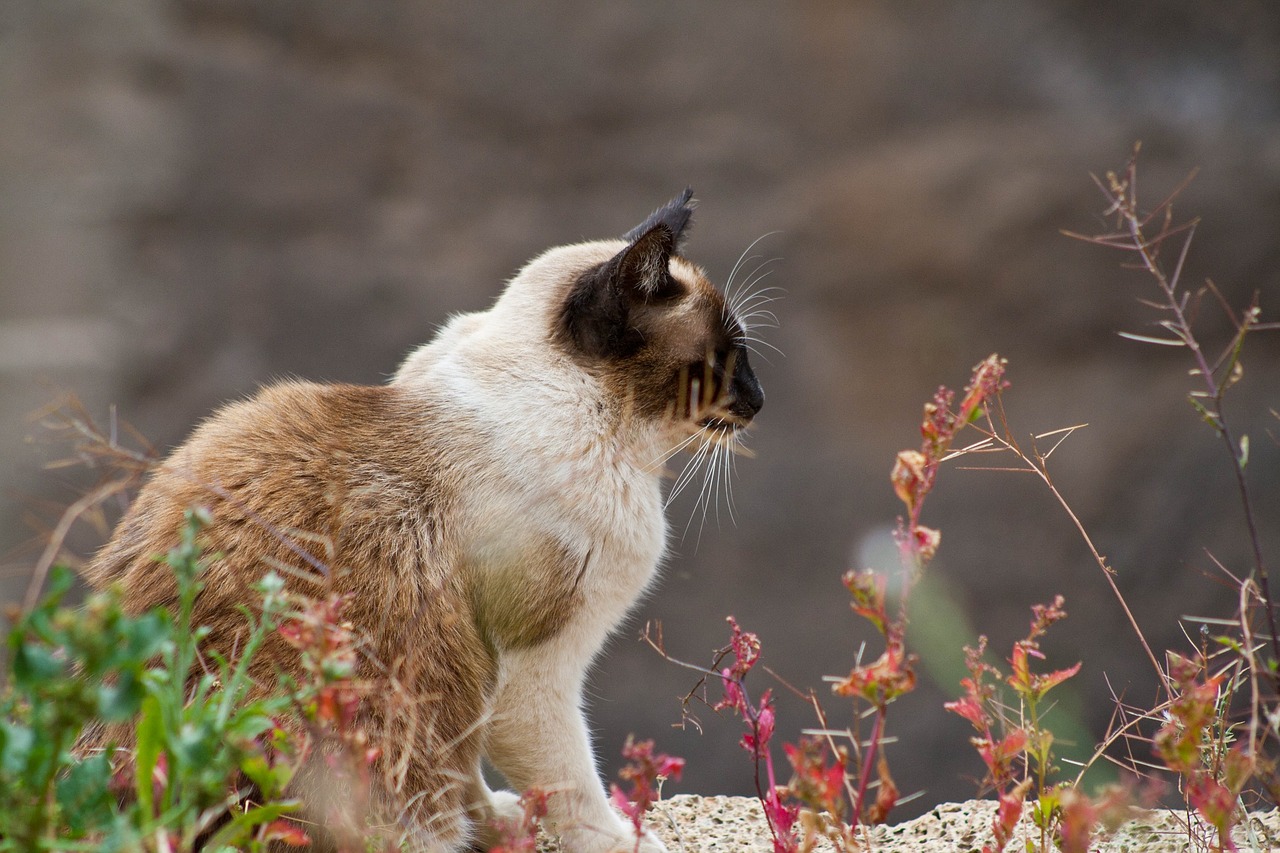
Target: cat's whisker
749,307
749,287
748,301
717,459
763,292
701,500
757,275
663,457
742,259
713,482
753,303
669,454
686,476
679,483
739,448
691,465
730,296
763,296
720,482
753,308
750,342
759,319
729,464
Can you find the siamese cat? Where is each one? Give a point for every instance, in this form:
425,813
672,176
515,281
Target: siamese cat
492,513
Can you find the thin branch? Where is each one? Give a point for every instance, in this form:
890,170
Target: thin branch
1122,196
1038,467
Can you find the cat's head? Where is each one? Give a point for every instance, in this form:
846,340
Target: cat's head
660,335
665,351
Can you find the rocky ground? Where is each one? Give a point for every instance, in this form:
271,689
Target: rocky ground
737,825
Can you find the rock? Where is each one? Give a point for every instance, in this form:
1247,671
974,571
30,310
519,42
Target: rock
737,825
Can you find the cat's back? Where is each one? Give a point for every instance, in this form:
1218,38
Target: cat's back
332,488
319,478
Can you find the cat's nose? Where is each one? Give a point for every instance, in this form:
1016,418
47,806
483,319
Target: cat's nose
748,396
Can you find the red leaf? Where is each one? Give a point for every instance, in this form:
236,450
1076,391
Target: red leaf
970,709
886,796
286,832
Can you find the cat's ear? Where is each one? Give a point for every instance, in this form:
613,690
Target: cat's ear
674,216
596,314
641,272
642,267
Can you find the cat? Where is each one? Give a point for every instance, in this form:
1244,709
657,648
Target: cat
492,513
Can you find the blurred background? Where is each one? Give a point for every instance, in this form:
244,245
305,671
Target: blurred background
201,196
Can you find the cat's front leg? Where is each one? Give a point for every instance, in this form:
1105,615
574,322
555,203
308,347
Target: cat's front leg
538,737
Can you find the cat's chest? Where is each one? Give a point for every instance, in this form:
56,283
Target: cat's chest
569,549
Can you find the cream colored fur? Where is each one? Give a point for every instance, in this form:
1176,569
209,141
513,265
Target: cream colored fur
564,463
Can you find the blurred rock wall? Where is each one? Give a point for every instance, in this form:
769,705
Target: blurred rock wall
198,196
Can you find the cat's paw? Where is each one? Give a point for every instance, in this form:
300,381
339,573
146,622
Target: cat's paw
649,843
624,841
500,815
506,806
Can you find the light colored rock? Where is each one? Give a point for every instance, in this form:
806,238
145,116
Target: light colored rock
737,825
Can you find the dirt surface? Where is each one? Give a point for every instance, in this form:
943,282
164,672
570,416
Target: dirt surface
714,824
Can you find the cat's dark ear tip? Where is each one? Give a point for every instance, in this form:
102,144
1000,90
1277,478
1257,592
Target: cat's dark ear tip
675,215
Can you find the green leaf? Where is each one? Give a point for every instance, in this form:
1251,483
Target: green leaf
271,584
35,665
150,743
16,741
1243,458
1230,643
1042,812
196,745
84,796
1210,417
248,723
270,779
61,579
120,701
239,828
146,635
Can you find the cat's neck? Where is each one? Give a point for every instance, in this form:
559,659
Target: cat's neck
529,401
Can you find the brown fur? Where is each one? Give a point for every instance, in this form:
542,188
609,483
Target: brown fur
329,484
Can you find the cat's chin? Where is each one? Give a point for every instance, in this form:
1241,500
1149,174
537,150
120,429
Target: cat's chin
718,425
722,430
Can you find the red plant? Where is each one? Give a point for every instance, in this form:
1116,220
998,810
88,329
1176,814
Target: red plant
820,782
1008,813
644,772
1012,751
1031,686
521,835
328,649
1189,744
818,779
914,474
286,832
328,645
759,718
915,471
